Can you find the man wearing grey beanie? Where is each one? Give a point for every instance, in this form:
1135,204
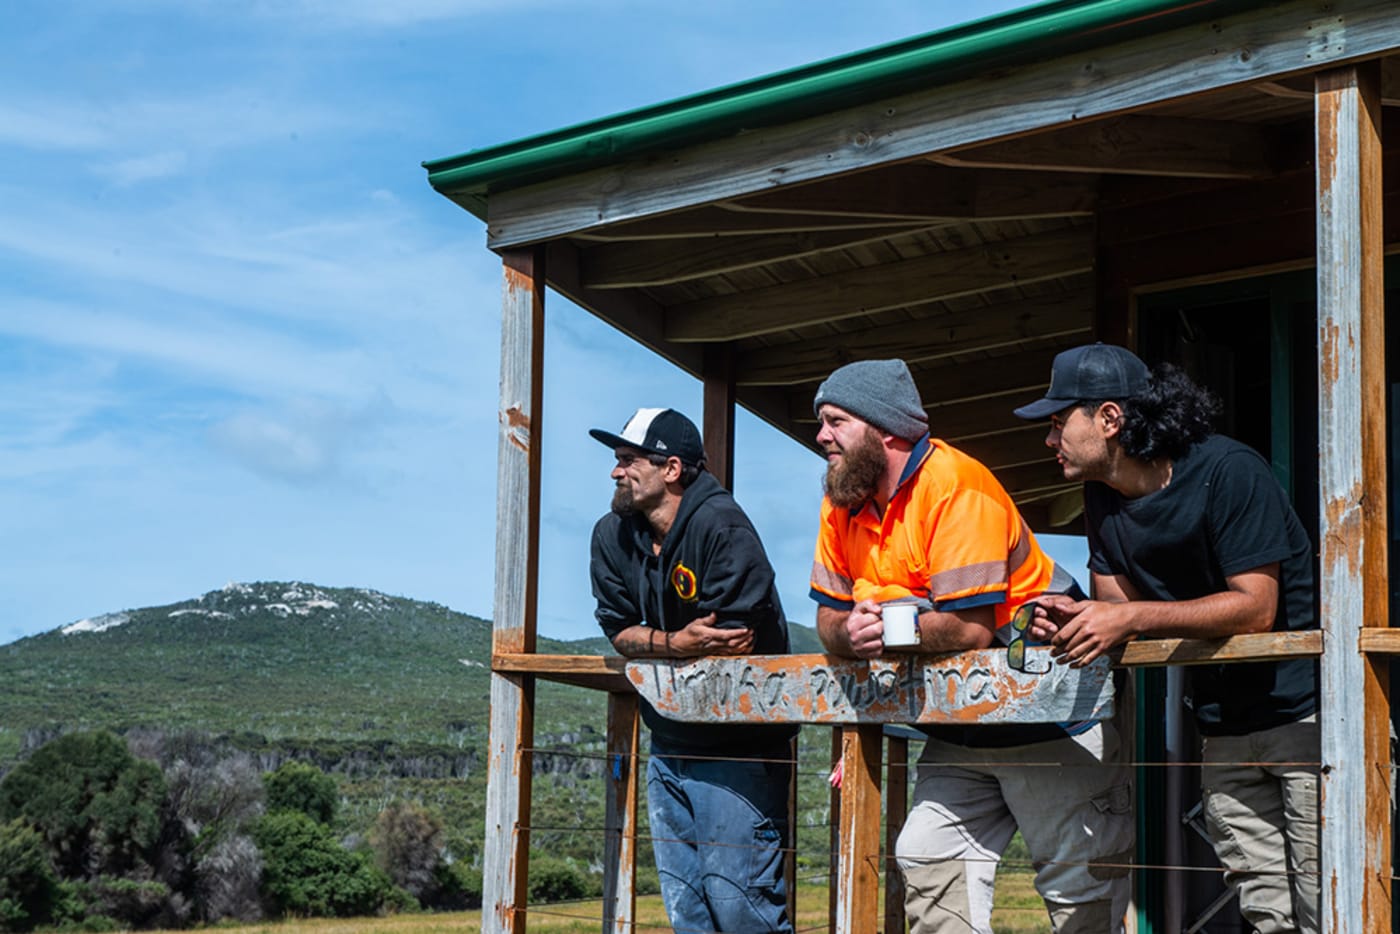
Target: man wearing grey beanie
909,518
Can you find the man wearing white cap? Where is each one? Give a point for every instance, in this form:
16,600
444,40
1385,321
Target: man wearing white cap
678,571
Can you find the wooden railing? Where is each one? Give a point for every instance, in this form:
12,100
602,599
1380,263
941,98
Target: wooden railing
858,698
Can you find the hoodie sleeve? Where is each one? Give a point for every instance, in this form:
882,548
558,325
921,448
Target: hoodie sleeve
737,578
616,605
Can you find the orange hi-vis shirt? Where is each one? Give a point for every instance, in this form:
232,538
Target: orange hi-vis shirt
950,535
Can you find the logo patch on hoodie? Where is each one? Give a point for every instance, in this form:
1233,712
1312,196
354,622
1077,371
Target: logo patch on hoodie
683,579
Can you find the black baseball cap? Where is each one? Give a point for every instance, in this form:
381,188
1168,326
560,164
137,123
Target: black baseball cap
658,431
1089,373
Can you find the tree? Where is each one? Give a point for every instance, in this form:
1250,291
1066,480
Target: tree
407,843
217,802
307,872
29,893
297,786
97,807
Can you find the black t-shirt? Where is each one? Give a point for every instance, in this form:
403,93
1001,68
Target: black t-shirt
1222,514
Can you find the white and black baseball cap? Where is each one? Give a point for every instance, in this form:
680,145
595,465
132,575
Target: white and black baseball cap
658,431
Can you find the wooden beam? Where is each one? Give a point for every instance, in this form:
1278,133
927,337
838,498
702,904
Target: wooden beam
663,262
1252,647
1230,232
597,672
637,316
923,191
1024,373
938,277
858,864
1060,318
963,687
896,810
620,818
718,420
1031,480
505,864
1006,450
1377,641
1302,87
725,221
1252,46
1133,145
984,429
1353,576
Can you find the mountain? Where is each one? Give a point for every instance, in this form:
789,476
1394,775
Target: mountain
281,663
389,694
274,659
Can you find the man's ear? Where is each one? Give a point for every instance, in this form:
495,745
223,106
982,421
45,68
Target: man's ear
673,470
1109,418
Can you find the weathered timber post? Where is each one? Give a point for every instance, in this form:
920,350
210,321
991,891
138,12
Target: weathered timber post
858,868
507,846
620,820
717,423
1352,492
896,810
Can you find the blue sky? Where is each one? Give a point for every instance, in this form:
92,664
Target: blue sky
242,339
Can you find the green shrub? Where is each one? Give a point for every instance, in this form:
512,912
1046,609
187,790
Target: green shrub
307,872
556,880
304,788
97,806
29,891
458,887
648,880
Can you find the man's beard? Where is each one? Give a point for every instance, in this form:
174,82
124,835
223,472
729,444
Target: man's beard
853,480
622,500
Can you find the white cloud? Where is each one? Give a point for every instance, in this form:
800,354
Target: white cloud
47,125
303,443
155,166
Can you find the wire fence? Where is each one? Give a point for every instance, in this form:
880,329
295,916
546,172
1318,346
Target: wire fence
816,780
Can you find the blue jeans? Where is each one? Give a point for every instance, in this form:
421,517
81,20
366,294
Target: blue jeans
718,830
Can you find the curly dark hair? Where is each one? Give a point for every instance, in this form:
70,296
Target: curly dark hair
1166,418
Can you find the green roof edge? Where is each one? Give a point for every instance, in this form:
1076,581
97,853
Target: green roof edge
1026,34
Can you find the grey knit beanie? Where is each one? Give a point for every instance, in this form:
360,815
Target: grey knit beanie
879,391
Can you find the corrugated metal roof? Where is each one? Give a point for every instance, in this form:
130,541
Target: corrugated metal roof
1034,32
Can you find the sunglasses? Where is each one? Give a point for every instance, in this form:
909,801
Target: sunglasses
1016,649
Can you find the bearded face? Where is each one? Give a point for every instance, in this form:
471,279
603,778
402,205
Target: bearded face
854,469
641,485
622,501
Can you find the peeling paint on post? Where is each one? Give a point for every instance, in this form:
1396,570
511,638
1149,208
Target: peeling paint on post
1353,577
968,687
504,864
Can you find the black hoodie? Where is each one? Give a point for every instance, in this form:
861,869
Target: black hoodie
711,562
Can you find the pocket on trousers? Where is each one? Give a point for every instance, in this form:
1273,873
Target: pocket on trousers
766,857
1115,829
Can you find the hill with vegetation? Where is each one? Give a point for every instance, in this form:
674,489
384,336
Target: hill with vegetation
389,695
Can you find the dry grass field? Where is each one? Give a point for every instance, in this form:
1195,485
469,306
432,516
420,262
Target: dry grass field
1019,911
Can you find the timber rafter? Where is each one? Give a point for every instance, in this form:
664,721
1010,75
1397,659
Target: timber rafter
937,277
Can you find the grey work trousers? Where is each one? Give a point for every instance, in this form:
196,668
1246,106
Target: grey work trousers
1071,798
1261,800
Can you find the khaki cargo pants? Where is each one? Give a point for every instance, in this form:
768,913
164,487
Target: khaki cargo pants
1072,799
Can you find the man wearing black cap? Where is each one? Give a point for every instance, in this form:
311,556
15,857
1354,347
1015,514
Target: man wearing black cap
678,571
907,518
1190,536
